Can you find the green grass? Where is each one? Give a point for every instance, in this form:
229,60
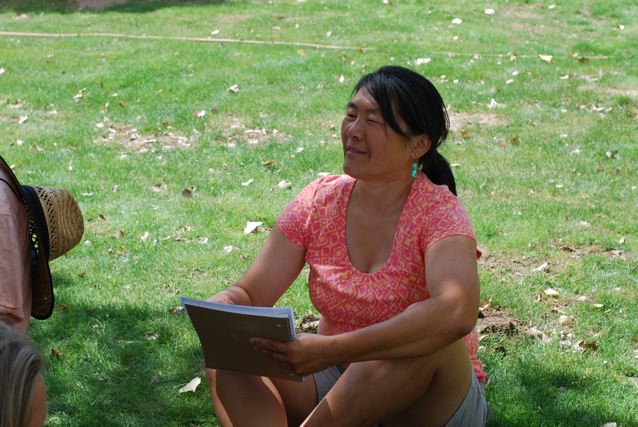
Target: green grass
536,181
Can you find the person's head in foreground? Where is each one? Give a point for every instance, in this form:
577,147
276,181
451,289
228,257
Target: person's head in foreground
22,393
399,105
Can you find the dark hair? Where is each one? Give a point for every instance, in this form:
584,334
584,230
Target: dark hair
403,93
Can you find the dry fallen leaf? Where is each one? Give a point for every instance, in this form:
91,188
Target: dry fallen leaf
567,320
546,58
188,192
176,310
283,185
80,95
421,61
57,354
613,154
587,345
493,104
152,337
542,267
552,293
191,386
269,162
158,187
23,119
251,226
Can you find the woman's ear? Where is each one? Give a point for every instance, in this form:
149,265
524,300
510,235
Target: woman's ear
420,145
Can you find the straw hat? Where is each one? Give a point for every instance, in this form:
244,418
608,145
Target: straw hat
55,226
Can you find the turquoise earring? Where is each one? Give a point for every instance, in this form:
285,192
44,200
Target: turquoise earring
414,170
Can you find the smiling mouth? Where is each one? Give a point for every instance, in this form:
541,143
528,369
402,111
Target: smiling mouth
352,150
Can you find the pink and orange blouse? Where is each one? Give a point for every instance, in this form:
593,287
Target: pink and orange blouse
349,299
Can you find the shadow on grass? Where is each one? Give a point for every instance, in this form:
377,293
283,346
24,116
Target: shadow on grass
96,6
555,396
120,363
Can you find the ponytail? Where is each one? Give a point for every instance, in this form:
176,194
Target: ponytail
438,170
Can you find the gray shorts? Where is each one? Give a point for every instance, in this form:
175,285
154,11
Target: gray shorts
473,412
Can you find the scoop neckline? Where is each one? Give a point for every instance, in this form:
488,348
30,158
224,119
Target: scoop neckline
344,242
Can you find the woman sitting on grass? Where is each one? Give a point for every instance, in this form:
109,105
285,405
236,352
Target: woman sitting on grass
23,401
392,258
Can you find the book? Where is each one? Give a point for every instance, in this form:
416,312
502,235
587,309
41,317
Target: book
224,331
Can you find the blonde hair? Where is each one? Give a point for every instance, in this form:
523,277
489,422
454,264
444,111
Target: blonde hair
20,366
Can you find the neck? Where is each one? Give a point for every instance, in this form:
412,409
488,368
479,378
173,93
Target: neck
383,195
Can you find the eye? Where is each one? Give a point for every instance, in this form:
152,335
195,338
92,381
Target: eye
375,122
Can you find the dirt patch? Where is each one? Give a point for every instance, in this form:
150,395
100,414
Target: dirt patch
460,121
309,323
234,131
577,252
628,91
492,320
130,138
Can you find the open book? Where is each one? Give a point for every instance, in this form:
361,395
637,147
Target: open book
224,331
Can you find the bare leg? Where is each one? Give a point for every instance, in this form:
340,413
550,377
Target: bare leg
249,400
418,391
245,400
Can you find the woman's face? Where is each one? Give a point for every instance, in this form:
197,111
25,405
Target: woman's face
372,149
39,407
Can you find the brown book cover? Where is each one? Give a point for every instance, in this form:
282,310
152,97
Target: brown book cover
224,331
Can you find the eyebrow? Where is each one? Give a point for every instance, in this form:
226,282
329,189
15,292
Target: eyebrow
367,110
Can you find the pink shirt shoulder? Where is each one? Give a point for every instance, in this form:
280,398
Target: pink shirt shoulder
15,287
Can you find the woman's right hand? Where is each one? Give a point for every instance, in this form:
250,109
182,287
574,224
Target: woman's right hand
221,298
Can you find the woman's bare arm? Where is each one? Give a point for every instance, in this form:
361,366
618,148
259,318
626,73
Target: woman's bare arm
423,328
272,272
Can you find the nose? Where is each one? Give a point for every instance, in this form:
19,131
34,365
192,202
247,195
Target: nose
353,129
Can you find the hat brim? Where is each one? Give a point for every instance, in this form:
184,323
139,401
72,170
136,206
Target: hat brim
41,284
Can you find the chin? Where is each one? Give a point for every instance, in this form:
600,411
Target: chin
351,171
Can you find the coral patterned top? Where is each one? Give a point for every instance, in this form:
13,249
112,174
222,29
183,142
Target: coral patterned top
349,299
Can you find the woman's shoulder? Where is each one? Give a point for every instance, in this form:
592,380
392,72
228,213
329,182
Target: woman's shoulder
333,180
330,184
433,193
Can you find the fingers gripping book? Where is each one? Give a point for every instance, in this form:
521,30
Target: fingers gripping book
224,331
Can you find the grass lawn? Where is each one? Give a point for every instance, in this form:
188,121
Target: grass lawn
171,144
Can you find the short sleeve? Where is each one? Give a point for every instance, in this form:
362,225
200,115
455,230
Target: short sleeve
294,220
15,288
446,217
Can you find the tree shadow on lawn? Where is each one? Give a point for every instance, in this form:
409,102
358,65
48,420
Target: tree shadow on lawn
96,6
121,363
554,396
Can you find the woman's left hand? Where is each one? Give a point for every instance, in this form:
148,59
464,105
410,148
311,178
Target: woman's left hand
307,354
